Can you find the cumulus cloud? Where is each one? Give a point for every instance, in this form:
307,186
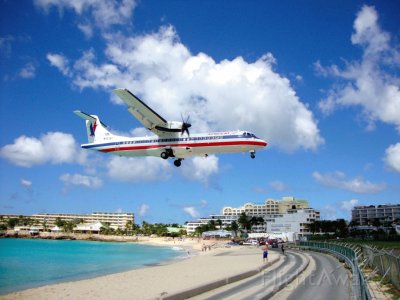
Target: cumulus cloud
348,205
392,157
218,96
143,208
103,13
340,209
90,182
369,82
200,168
28,71
356,185
53,147
192,211
87,30
143,169
60,62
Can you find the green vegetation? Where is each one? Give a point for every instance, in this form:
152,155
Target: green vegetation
378,244
381,235
20,221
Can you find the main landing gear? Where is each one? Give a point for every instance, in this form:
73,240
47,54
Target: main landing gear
253,154
178,162
168,153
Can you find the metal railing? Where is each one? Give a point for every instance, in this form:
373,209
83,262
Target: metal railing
381,261
350,254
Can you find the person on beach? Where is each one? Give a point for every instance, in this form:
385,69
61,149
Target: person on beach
265,252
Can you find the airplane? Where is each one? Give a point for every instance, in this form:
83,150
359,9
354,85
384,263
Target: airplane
171,139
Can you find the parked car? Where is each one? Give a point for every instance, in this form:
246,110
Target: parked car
274,245
250,242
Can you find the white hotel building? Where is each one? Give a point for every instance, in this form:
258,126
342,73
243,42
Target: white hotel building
116,220
288,215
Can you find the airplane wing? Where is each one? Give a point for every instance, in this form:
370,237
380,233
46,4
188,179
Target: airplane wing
143,113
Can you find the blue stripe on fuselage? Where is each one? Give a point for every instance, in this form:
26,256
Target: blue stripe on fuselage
170,140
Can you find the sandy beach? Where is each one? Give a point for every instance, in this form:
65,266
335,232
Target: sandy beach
155,282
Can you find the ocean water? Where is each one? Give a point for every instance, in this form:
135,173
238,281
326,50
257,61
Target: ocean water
28,263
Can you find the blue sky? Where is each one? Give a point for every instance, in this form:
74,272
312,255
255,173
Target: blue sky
319,81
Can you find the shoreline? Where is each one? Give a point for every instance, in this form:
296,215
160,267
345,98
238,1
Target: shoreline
150,282
69,236
181,252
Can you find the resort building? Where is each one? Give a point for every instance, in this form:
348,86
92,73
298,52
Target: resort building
365,215
286,215
269,207
114,219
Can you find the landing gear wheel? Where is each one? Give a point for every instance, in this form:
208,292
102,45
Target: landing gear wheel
177,162
164,155
253,154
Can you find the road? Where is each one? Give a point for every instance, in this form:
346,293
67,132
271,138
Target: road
256,287
328,280
324,278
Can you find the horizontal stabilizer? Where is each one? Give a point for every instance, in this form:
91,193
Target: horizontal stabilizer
88,117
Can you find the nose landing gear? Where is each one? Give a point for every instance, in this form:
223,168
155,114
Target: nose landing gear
253,154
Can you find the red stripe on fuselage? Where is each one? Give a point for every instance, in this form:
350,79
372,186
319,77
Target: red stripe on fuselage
194,145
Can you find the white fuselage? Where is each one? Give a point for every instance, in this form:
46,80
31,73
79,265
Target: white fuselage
181,146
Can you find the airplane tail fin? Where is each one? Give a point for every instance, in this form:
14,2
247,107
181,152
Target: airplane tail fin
95,129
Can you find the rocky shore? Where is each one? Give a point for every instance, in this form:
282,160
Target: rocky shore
68,236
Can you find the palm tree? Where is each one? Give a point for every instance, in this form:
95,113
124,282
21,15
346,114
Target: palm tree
129,226
234,227
211,225
244,221
219,222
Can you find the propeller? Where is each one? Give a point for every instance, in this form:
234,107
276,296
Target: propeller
185,126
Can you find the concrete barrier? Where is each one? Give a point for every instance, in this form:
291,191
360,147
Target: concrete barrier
191,292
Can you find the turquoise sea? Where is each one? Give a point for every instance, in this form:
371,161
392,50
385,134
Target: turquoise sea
28,263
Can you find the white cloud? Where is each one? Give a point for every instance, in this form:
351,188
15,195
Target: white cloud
226,95
140,131
203,203
200,168
328,212
143,208
60,62
192,211
87,30
277,185
81,180
348,205
367,83
143,169
392,157
26,183
28,71
103,13
356,185
53,147
337,210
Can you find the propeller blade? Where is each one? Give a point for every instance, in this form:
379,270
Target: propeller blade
185,125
